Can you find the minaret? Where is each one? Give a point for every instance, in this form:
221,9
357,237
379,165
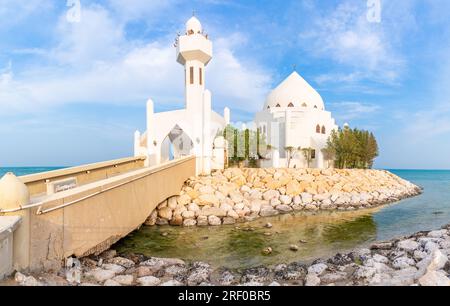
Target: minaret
194,52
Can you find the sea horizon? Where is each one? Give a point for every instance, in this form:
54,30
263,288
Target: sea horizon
28,170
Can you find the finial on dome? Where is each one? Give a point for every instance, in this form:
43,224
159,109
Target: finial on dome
294,67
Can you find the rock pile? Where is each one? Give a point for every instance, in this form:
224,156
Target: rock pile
421,259
240,195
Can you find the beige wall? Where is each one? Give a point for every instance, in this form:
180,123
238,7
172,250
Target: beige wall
7,227
36,183
111,209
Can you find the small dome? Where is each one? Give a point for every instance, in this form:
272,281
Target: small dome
13,192
294,92
193,26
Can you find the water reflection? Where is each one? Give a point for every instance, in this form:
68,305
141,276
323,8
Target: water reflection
316,235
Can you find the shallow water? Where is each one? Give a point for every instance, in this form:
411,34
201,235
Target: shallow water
317,235
241,245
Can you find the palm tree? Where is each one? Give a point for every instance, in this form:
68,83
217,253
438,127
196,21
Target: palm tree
290,152
308,154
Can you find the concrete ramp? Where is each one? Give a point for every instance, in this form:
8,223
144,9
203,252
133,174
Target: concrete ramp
89,219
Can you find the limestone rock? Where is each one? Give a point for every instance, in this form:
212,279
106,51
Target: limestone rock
214,221
177,220
189,222
26,281
115,268
403,263
101,275
184,199
111,283
188,214
207,199
268,211
202,221
434,278
284,209
171,283
293,188
312,280
149,281
213,211
193,207
229,221
165,213
124,280
271,194
408,245
317,269
285,199
124,262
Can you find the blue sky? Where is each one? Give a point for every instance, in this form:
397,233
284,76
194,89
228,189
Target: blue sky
74,93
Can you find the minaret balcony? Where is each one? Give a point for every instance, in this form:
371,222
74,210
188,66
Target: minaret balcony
194,47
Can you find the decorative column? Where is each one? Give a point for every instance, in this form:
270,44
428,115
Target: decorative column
227,115
152,156
137,144
288,128
276,158
207,142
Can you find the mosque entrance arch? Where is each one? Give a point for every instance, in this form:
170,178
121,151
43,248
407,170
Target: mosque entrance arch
177,144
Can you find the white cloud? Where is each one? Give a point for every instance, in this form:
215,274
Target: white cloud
93,62
352,110
12,12
348,38
338,78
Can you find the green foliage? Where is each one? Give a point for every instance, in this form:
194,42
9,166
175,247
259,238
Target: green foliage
244,145
308,154
290,151
352,148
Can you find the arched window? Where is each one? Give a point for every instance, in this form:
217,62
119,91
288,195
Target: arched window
291,104
304,105
278,105
315,106
264,129
268,107
324,130
318,129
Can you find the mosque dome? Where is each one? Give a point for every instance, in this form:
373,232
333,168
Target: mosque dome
193,26
294,92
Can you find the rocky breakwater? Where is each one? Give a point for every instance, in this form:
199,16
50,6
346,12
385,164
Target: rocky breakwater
241,195
421,259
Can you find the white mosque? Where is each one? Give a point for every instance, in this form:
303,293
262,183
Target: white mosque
293,116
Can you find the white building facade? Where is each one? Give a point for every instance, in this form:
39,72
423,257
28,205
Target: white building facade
294,116
192,130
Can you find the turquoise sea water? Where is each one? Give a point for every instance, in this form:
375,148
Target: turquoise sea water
19,171
429,211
